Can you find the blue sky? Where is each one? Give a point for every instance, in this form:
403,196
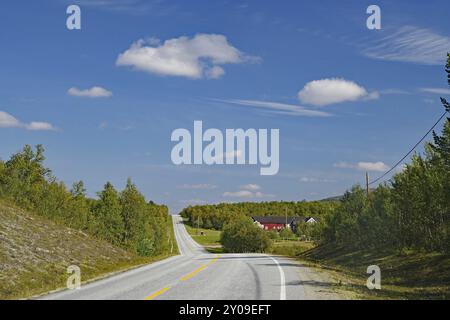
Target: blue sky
232,58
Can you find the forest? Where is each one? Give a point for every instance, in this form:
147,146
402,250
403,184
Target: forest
218,215
123,218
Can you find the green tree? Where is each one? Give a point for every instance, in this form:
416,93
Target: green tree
109,215
243,236
137,235
287,234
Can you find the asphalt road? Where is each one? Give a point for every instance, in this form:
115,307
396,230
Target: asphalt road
199,275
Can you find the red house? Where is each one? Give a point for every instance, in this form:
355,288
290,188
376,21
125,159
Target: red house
278,223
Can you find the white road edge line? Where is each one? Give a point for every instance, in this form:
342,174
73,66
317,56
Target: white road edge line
282,280
175,221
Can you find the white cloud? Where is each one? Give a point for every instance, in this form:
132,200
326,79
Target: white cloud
442,91
410,44
329,91
94,92
239,194
248,191
199,57
373,166
203,186
251,187
276,107
314,180
39,126
9,121
363,166
246,194
215,72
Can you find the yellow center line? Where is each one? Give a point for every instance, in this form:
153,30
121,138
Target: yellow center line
186,277
193,273
157,293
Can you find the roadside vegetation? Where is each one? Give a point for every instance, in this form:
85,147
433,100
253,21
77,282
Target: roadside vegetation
35,253
45,227
123,218
405,274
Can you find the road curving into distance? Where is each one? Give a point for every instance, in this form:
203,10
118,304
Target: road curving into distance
196,274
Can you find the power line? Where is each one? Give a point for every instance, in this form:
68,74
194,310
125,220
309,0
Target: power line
409,152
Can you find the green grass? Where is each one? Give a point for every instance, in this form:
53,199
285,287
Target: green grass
209,238
404,275
290,248
35,254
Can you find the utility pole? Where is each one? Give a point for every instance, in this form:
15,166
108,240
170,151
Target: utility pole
285,213
367,183
198,224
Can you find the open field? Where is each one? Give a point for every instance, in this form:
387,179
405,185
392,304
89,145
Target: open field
209,238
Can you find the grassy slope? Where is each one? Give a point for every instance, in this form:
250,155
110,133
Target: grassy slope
290,248
407,275
35,254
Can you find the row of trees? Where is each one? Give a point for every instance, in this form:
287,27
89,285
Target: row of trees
216,216
412,210
121,218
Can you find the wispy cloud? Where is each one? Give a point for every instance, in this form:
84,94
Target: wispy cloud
243,194
202,186
251,187
135,7
276,107
193,202
410,44
9,121
393,91
94,92
442,91
363,166
122,127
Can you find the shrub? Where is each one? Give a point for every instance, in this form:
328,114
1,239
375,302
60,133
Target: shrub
243,236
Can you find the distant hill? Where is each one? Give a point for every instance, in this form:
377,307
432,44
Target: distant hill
35,254
335,198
